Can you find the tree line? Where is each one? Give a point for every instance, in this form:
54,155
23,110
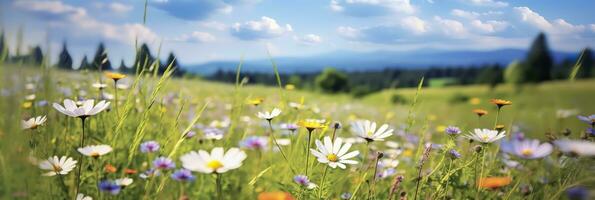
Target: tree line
538,66
99,62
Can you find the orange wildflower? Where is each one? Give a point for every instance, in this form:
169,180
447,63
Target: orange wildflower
494,182
275,196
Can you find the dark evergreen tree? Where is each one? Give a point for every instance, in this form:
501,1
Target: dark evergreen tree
3,48
123,67
36,56
143,59
586,68
538,65
84,64
101,60
64,60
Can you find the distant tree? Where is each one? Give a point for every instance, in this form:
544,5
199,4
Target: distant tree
538,65
123,67
3,48
64,60
36,56
491,75
84,64
332,81
586,68
101,60
514,73
562,69
143,59
295,80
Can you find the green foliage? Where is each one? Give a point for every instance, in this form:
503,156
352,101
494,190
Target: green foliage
514,73
458,98
398,99
490,75
361,91
64,59
295,80
332,81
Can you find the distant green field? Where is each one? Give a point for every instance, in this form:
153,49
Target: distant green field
163,109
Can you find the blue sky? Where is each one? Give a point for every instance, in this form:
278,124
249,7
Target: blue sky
205,30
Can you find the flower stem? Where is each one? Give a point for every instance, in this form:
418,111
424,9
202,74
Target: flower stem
483,158
116,98
497,117
279,146
307,153
219,187
322,183
82,142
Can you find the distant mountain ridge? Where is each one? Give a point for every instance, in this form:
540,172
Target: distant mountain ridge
376,60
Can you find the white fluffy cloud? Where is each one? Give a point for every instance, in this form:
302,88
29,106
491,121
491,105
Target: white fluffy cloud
119,7
348,32
309,39
490,26
64,17
557,26
264,28
367,8
450,27
491,3
196,36
472,14
414,24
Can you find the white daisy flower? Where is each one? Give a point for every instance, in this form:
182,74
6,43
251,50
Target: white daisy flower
334,153
88,108
269,115
95,150
30,97
56,165
81,196
99,85
124,181
367,130
485,135
33,122
216,162
577,147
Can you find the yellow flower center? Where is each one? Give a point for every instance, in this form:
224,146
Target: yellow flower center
94,154
370,133
485,137
332,157
214,164
56,168
527,152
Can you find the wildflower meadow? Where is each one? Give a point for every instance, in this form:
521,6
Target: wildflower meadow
155,132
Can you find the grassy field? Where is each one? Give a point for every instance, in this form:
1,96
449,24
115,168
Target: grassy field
191,115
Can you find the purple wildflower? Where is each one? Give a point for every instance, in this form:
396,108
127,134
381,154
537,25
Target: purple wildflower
149,147
454,154
577,193
163,163
452,130
588,119
346,195
254,142
301,180
527,149
183,175
109,186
